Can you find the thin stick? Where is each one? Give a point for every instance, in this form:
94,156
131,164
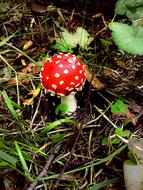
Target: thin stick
67,162
46,167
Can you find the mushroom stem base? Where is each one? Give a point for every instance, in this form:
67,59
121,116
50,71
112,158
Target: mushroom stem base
70,100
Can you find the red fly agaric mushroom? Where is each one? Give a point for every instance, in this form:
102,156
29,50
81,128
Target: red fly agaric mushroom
62,75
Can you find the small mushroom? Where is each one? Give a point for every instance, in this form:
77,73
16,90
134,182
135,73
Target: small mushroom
62,75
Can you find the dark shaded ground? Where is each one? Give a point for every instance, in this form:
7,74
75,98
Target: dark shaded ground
121,74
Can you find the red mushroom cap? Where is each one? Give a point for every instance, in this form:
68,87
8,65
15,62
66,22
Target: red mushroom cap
63,74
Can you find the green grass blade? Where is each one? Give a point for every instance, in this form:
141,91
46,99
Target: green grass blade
56,123
23,162
23,53
104,184
9,104
7,158
5,40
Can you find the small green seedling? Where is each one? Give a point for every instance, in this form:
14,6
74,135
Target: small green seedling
118,107
61,109
116,138
67,40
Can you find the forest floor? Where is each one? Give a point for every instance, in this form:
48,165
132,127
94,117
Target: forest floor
83,152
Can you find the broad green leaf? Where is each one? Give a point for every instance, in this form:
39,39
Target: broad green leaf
70,40
61,47
8,158
128,38
118,107
55,124
131,8
136,14
61,108
122,133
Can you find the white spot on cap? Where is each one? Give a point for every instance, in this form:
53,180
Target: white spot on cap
67,88
80,71
70,60
73,66
66,55
59,56
70,89
74,58
57,75
78,63
60,65
72,83
60,94
78,85
61,82
57,62
47,78
50,60
66,71
80,88
76,77
54,86
81,80
52,92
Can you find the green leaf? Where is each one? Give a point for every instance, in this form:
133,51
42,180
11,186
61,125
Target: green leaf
7,158
122,133
127,38
118,107
61,47
55,124
45,58
113,140
133,9
135,14
105,141
69,40
61,108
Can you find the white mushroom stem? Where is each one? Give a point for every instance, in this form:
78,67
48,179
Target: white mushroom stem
133,176
71,102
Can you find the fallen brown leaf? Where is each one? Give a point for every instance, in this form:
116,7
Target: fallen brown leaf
133,113
92,78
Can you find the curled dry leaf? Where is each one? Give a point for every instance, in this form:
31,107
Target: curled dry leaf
30,101
22,75
92,78
27,45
